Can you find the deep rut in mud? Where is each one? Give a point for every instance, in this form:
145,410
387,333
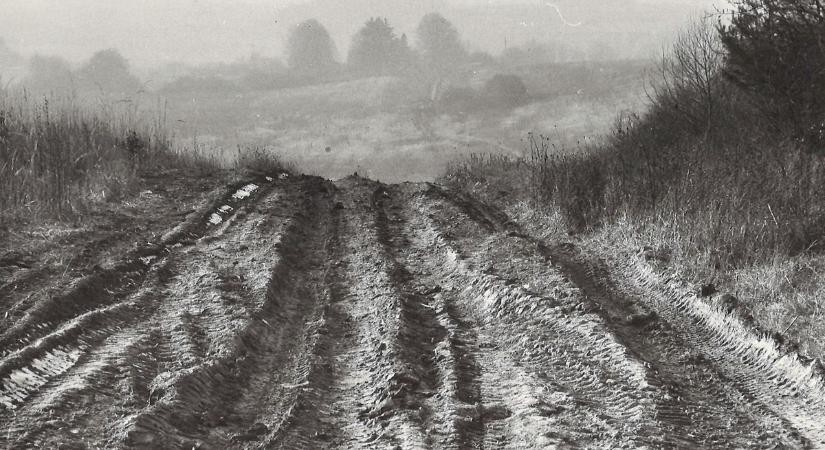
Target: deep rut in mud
295,312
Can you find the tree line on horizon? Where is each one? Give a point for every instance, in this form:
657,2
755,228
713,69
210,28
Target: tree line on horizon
377,49
311,56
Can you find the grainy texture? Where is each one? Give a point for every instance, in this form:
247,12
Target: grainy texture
295,312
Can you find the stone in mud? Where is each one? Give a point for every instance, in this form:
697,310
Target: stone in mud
258,429
192,445
16,259
140,437
75,445
431,291
548,410
403,379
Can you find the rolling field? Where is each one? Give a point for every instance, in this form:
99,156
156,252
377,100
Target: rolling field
377,125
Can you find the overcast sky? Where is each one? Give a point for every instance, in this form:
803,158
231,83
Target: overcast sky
153,32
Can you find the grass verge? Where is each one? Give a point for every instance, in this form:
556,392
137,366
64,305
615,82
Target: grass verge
705,185
62,157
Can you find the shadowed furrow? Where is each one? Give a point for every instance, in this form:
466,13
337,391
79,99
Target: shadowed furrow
250,319
306,314
111,286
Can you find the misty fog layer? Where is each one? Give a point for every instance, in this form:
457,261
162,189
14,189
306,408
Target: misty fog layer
393,89
152,32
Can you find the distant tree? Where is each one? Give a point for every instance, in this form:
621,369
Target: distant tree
310,49
260,73
264,64
440,44
687,87
530,53
48,74
776,51
377,50
107,71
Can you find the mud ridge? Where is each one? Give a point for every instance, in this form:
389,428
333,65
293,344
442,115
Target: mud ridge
541,353
781,381
202,404
444,343
371,387
695,388
35,353
109,286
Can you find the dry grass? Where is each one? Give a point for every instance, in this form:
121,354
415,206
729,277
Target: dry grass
60,156
736,207
722,233
703,178
56,155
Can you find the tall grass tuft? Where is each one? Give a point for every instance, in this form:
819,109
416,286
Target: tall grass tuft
58,156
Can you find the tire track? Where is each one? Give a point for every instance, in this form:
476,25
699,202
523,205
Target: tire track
303,314
111,286
444,344
787,387
84,406
239,390
568,368
697,403
98,310
370,383
695,395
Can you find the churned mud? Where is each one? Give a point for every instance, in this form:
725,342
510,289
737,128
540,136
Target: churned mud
296,312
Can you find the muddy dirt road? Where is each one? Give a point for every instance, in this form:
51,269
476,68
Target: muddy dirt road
295,312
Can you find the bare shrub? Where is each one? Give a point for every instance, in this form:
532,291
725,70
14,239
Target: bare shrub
687,87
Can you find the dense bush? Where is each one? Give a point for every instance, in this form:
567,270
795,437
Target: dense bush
776,53
107,72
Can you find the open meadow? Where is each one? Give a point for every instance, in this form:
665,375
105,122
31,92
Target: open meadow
373,126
